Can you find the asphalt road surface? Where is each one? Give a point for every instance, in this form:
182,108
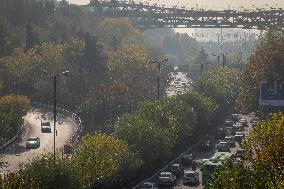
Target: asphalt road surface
17,154
204,155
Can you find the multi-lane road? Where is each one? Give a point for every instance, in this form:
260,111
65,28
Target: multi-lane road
200,155
17,154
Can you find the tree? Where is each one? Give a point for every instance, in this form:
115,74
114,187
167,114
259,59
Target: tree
114,32
264,166
42,173
222,85
12,110
31,36
265,64
104,161
150,141
204,107
5,37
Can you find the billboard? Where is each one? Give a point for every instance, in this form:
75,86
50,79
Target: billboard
271,94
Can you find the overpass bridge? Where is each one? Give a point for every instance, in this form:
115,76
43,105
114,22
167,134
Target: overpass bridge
152,16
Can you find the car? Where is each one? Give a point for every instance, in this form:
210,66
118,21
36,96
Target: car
240,154
254,119
205,146
45,127
147,185
239,137
187,158
166,179
244,122
235,117
190,177
177,169
228,122
223,147
33,142
238,126
220,133
230,140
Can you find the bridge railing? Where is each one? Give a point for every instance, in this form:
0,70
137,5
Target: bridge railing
63,113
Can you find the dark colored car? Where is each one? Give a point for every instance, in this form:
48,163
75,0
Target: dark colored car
33,142
221,133
187,158
205,146
240,154
177,169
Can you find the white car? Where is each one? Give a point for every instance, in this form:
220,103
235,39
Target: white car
166,178
33,142
190,177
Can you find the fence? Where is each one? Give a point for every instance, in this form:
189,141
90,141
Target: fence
37,105
63,113
12,140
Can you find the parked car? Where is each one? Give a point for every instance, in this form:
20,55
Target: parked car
177,169
239,137
33,142
187,158
205,146
223,147
45,127
166,179
190,177
147,185
230,140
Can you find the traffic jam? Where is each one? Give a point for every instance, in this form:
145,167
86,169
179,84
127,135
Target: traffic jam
194,167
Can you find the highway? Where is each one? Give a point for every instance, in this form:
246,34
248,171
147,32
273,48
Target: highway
17,154
203,155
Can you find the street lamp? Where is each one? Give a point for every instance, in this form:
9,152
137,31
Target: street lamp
65,73
158,77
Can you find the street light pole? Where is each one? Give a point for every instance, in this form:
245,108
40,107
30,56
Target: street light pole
54,107
158,81
54,116
158,77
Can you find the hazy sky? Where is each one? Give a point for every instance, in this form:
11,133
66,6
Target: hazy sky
209,3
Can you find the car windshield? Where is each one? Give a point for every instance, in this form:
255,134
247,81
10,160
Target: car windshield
147,185
165,174
190,174
32,139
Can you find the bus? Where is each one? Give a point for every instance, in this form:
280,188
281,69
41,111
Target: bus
210,165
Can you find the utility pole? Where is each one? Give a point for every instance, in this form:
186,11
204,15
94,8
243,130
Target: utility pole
158,75
65,73
224,60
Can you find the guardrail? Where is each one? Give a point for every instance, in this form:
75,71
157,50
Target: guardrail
9,142
176,160
78,129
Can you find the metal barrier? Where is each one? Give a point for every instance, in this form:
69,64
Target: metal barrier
176,160
12,140
78,129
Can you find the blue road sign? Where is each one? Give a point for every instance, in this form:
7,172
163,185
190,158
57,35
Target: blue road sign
271,94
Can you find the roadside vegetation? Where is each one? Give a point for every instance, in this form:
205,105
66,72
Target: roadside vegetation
12,110
264,145
264,165
112,86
